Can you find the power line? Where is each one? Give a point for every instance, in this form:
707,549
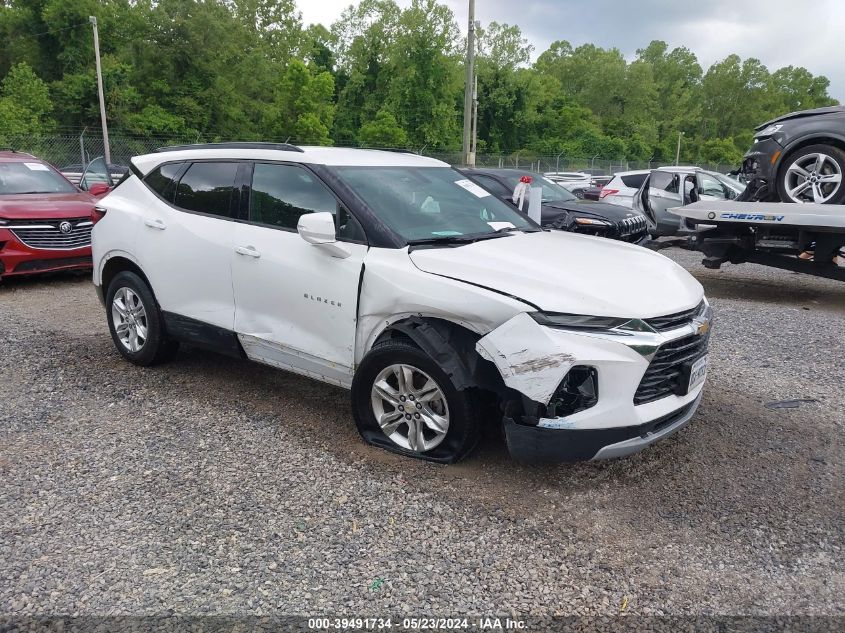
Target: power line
51,32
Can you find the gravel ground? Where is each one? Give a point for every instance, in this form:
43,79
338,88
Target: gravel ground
214,486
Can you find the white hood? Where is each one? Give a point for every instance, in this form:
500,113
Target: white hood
565,272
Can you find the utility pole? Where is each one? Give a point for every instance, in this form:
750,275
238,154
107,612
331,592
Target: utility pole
678,151
468,85
474,147
106,150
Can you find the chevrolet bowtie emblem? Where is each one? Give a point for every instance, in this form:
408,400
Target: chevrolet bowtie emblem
702,327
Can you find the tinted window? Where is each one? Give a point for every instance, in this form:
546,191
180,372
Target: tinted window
31,177
634,181
492,185
162,180
282,193
207,187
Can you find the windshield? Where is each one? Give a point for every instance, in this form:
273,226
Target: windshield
552,192
17,178
422,203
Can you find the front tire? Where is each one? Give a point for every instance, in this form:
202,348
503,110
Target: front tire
404,402
813,174
135,322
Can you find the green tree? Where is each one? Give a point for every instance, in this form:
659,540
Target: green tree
303,109
677,79
426,75
382,131
24,103
363,40
721,150
382,75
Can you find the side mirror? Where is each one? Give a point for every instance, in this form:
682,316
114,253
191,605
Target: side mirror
99,189
318,229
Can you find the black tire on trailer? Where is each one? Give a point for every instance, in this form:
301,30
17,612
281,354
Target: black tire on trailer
813,174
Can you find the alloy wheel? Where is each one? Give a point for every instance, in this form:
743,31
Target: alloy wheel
129,318
813,178
410,407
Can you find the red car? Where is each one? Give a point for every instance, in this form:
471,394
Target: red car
45,220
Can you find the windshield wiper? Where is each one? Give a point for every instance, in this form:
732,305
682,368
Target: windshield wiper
458,239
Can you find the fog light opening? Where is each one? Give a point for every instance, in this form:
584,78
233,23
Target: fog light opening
578,391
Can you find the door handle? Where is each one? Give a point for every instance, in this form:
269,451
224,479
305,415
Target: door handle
155,223
249,251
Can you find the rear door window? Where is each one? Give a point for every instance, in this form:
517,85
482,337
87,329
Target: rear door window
634,181
208,188
163,179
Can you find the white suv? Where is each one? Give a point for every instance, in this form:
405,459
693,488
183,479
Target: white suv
395,276
623,187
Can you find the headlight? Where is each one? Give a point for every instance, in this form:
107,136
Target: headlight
591,222
764,133
576,321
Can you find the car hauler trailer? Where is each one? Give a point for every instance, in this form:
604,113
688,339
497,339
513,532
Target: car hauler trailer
806,238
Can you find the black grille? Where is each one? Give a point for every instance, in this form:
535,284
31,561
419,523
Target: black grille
34,265
47,234
666,372
631,227
674,321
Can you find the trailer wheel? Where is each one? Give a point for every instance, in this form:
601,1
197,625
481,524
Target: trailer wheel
813,174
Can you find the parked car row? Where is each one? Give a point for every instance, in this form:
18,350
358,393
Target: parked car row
563,210
582,184
671,187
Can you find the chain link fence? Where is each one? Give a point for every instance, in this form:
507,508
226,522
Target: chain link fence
71,153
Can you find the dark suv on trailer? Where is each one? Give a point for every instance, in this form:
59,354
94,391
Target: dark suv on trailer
563,210
798,157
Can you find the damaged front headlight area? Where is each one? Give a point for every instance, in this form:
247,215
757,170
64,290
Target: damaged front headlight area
593,222
578,391
767,132
577,321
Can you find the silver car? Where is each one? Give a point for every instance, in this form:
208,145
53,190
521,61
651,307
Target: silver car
669,187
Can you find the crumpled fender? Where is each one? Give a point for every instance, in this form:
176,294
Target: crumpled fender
528,358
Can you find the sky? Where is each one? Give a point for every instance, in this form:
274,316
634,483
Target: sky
712,29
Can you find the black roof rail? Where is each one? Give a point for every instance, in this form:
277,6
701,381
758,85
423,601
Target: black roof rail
392,149
284,147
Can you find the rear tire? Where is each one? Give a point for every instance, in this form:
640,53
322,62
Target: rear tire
135,322
422,414
813,173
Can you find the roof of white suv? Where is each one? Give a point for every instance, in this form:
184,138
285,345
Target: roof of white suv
635,172
335,156
687,169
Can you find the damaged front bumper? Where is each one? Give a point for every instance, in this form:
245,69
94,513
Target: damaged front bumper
534,359
544,444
